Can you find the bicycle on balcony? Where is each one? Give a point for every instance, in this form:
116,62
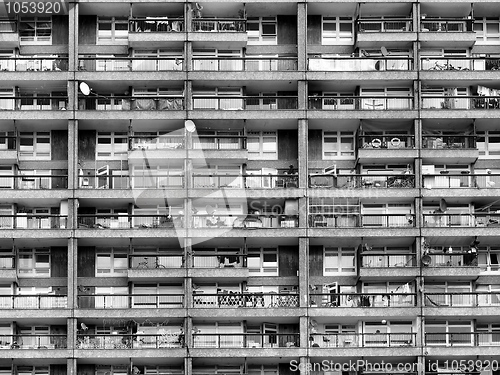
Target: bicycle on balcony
146,264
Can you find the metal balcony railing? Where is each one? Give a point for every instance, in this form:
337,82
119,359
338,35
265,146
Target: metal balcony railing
241,102
247,64
22,341
126,221
462,338
355,220
460,102
33,64
460,63
392,141
153,181
219,142
446,25
449,141
130,64
8,26
359,64
463,180
462,220
246,340
384,25
388,299
363,103
458,259
363,340
38,301
132,103
156,24
130,341
160,142
33,221
467,299
33,103
251,300
206,259
219,25
245,221
34,182
127,301
384,260
270,181
7,261
359,181
152,261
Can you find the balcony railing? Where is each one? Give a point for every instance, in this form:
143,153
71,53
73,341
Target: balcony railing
462,299
156,24
126,301
363,340
219,25
32,182
384,25
393,141
33,103
38,301
245,102
270,181
33,341
246,340
358,64
130,341
449,141
220,142
152,261
460,63
33,64
460,102
8,26
153,181
359,181
453,260
160,142
33,221
130,64
245,221
448,181
364,103
253,300
125,221
205,259
133,103
446,25
247,64
384,260
7,261
342,220
388,299
462,338
462,220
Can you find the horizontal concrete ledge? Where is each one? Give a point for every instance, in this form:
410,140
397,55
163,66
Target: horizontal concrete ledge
248,352
248,312
134,313
364,312
127,353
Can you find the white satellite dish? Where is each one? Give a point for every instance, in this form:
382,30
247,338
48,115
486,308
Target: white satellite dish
85,89
190,126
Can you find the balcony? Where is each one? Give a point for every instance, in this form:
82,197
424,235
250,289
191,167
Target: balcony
359,64
245,64
472,219
452,32
361,103
391,31
117,182
363,181
246,300
153,261
459,149
33,64
235,103
386,148
33,221
154,31
125,221
9,35
132,103
130,64
463,180
34,182
388,299
354,220
130,301
160,142
462,299
33,103
8,150
452,102
37,302
460,259
460,64
33,341
246,340
235,25
270,181
240,221
462,339
130,341
383,260
363,340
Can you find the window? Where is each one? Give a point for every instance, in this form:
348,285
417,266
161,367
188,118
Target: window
338,145
35,337
111,297
385,98
447,293
487,30
111,262
166,59
112,370
111,145
34,145
217,59
34,262
35,29
32,370
262,30
157,177
339,260
488,143
337,30
488,334
6,177
448,333
157,295
6,99
112,29
263,261
262,145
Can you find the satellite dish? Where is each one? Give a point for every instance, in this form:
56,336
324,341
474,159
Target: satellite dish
426,260
443,206
84,88
384,51
190,126
210,210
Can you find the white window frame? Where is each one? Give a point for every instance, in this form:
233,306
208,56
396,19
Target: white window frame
486,151
37,151
259,37
36,39
104,297
115,36
154,295
6,177
174,61
215,64
481,30
36,269
114,149
32,370
263,268
261,154
447,325
339,153
340,253
114,269
337,37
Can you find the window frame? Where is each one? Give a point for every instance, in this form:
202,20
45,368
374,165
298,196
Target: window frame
271,269
114,269
341,252
336,37
482,36
262,37
37,29
261,136
338,135
34,271
113,38
36,152
106,151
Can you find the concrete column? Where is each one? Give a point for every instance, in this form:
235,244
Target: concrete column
303,131
188,17
304,271
72,328
73,168
188,366
73,13
302,94
72,273
71,366
304,331
303,366
302,36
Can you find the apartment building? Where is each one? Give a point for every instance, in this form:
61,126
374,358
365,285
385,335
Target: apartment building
240,188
